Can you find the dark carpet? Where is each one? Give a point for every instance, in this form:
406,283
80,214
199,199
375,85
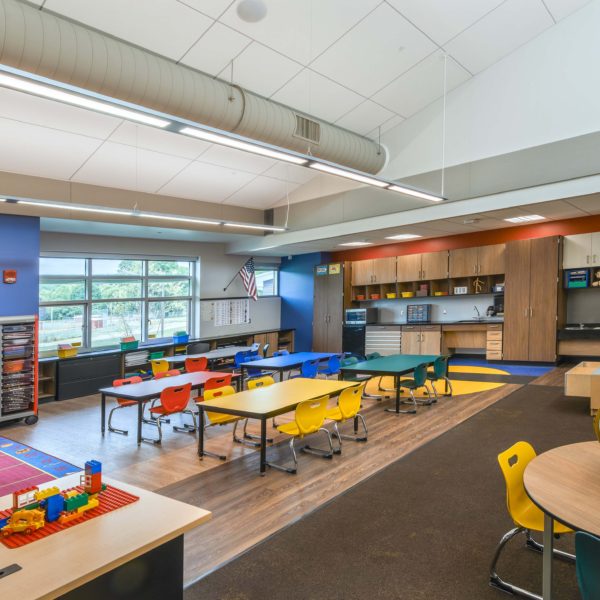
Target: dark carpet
425,527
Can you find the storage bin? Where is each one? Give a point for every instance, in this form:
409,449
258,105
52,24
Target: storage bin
156,355
181,337
133,345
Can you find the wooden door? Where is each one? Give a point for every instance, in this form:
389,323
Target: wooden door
335,312
384,270
434,265
261,339
320,313
431,340
463,262
273,341
408,267
491,259
411,340
516,300
362,272
543,299
595,251
578,251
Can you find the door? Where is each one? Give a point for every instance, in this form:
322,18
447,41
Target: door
335,312
543,299
595,251
434,265
411,340
408,267
431,339
384,270
362,272
578,251
491,259
463,262
516,300
273,341
320,313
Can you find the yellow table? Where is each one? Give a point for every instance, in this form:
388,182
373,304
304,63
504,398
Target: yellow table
267,402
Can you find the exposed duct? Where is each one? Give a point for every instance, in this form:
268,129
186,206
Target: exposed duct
45,44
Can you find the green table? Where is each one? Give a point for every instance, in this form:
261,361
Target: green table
394,366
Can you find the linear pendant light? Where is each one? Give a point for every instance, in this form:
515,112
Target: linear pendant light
341,172
263,227
90,209
416,193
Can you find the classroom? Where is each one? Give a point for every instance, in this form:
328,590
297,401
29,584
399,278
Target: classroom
299,299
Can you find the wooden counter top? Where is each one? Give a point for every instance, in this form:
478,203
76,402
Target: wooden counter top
68,559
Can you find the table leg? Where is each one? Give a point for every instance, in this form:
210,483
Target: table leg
241,377
547,557
397,386
200,431
103,413
280,375
263,446
139,423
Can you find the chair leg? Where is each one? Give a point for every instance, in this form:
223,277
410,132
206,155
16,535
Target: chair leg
537,547
319,451
354,438
151,420
447,380
287,469
185,428
246,439
433,389
114,429
252,436
338,436
157,442
382,389
214,454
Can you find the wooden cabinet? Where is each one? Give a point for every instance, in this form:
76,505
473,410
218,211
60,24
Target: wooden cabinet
483,260
271,338
373,271
421,339
431,338
531,299
328,312
362,272
411,340
581,251
493,346
419,267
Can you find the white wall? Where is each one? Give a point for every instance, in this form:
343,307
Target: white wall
545,91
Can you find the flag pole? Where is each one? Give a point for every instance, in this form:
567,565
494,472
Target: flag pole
233,278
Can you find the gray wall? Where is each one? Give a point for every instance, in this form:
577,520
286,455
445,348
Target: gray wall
583,306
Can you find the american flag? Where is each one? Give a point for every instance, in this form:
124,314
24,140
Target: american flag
248,278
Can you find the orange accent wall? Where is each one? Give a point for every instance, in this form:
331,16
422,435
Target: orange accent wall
478,238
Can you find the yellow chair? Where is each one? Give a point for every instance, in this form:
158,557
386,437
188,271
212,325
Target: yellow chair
263,381
159,365
347,408
309,418
597,424
525,514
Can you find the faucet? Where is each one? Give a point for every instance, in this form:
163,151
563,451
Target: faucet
478,313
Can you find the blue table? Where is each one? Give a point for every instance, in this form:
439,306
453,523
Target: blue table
287,362
394,366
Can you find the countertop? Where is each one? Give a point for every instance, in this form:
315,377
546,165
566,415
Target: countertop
463,322
574,332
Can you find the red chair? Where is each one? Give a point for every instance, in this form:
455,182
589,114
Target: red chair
171,373
122,403
218,381
173,400
193,365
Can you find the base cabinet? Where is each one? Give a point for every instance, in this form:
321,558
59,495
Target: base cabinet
421,339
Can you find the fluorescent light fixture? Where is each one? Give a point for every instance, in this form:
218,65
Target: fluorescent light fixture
403,236
2,199
356,244
248,226
525,219
232,142
147,215
263,248
341,172
410,192
90,209
22,85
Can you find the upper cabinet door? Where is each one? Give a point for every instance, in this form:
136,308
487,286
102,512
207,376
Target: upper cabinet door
408,267
384,270
491,259
463,262
595,259
362,272
434,265
577,252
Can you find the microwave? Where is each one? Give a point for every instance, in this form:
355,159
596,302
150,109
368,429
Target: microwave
361,316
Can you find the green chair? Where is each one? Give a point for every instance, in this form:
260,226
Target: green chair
587,551
440,373
418,381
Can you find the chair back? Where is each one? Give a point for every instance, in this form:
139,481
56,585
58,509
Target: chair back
350,360
127,381
260,382
420,374
170,373
310,415
266,349
175,399
349,401
333,364
254,348
240,357
226,390
373,356
587,550
512,463
597,424
159,365
440,367
281,353
217,382
193,365
309,369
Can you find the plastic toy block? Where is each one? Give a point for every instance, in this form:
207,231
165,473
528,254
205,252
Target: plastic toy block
54,506
75,502
25,497
92,467
3,522
43,494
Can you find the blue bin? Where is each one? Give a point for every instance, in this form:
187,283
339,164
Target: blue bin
181,338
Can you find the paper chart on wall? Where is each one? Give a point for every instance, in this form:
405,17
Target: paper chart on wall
226,312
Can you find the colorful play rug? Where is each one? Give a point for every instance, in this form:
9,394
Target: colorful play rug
22,466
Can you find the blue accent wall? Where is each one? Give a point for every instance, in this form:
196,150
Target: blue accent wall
296,288
19,250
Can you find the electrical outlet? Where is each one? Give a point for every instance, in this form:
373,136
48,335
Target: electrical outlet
445,312
401,312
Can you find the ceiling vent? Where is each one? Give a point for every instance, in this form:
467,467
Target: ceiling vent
307,129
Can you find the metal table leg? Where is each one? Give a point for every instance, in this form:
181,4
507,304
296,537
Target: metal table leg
103,413
263,446
139,422
200,431
547,557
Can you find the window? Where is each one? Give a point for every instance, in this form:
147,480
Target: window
267,281
97,301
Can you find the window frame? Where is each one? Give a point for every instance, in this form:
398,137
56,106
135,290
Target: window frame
268,267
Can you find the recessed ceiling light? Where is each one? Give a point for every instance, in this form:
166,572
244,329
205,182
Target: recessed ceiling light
403,236
356,244
341,172
525,219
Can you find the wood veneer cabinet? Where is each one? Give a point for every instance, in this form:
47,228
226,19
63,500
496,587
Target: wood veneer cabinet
328,312
373,271
421,339
420,267
482,260
531,299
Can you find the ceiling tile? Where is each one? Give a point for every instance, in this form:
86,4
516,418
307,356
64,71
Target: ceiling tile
509,26
261,69
421,85
212,8
384,34
151,138
55,115
120,166
302,30
201,181
316,95
589,204
215,49
236,159
43,152
365,117
385,127
168,27
262,193
442,20
563,8
291,173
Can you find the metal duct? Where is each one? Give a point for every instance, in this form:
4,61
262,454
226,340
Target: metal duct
45,44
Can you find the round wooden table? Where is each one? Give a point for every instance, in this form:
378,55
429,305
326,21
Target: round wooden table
565,483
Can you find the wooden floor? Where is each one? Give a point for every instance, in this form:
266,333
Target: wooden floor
555,377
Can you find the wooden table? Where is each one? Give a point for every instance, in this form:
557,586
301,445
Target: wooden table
287,362
227,352
394,366
565,484
267,402
139,545
148,390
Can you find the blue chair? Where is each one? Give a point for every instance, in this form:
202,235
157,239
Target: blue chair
281,353
253,372
254,348
308,370
332,367
587,551
240,357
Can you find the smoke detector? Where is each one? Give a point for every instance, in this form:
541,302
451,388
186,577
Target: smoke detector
252,11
